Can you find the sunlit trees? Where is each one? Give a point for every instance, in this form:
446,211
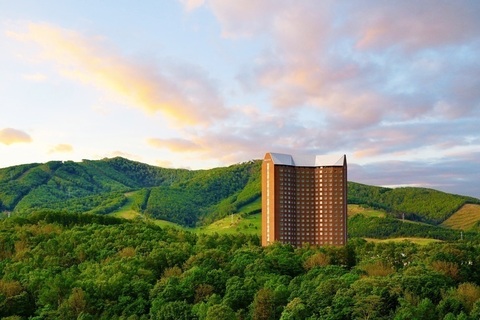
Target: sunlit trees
67,266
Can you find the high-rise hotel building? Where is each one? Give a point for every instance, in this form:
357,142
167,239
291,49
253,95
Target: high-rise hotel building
304,199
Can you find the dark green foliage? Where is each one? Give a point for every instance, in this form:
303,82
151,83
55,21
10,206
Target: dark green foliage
176,205
15,188
100,204
86,266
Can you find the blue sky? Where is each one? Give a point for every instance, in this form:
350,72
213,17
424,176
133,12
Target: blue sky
198,84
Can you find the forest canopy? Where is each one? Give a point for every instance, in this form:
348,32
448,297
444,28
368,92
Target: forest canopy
84,266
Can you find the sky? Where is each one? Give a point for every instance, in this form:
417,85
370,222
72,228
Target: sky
393,85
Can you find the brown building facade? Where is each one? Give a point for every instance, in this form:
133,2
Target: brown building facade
304,199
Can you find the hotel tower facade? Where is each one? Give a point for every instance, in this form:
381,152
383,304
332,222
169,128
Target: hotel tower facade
304,199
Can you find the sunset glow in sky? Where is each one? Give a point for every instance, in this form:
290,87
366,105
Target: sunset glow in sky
394,85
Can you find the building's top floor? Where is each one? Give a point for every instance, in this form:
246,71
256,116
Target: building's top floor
307,160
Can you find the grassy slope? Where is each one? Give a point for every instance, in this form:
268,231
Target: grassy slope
465,218
126,211
419,241
354,209
236,223
239,222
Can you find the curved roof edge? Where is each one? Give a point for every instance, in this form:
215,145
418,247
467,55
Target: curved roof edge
307,160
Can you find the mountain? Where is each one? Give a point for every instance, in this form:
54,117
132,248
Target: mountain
182,196
186,197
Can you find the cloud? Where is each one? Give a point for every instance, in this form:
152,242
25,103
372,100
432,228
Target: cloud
316,58
182,93
35,77
164,164
453,175
10,136
61,148
234,14
423,24
175,144
362,68
192,4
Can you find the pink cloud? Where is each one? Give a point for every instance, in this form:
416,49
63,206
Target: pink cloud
331,55
233,14
414,25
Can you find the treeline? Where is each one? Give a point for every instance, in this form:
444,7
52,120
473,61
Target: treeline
82,266
418,204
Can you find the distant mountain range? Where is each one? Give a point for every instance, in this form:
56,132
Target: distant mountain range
186,197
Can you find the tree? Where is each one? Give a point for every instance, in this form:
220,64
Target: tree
264,305
367,307
319,259
295,310
220,312
176,310
468,293
74,306
449,305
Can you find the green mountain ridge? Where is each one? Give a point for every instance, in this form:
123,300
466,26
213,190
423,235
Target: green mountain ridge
179,195
186,197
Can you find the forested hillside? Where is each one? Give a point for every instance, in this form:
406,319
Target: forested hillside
84,266
186,197
418,204
178,195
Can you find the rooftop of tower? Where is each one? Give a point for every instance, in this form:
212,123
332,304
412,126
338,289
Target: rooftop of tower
307,160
